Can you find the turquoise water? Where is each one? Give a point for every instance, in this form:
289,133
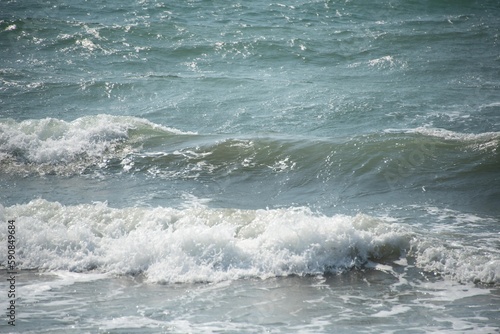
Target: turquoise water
212,166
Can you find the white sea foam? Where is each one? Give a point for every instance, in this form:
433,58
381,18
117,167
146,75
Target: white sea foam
461,263
197,243
130,322
486,141
386,62
84,141
37,291
397,309
452,135
461,246
490,105
448,134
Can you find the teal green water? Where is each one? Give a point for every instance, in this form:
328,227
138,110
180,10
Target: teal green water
214,150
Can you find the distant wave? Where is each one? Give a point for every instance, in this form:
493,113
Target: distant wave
58,147
385,160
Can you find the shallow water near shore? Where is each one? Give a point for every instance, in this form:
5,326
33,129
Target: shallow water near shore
370,301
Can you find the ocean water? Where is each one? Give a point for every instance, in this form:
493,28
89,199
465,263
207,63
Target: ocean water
247,166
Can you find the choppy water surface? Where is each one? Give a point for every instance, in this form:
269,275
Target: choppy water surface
306,166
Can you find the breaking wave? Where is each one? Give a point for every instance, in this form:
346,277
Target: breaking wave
201,244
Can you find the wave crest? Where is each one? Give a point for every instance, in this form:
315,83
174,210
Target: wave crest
197,243
55,146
